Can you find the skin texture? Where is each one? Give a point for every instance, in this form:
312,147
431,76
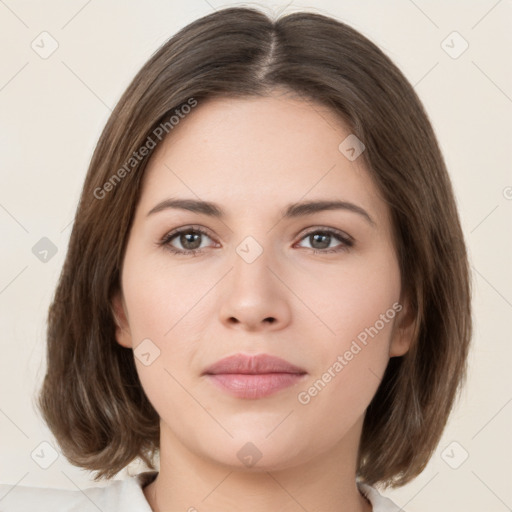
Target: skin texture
253,157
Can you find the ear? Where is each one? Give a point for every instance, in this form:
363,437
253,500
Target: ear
403,329
123,335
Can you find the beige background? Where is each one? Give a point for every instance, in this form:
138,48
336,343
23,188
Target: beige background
52,111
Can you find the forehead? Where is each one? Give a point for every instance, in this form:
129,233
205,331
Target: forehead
256,152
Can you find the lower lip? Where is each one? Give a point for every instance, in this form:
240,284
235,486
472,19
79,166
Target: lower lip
254,386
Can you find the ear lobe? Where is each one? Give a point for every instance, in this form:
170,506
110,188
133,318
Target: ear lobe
123,335
403,332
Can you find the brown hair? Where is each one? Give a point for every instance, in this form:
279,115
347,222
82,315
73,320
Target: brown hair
92,399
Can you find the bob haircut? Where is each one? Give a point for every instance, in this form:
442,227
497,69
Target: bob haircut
91,397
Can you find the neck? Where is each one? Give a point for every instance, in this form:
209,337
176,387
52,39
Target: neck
189,482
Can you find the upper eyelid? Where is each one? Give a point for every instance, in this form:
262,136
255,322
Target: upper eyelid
335,231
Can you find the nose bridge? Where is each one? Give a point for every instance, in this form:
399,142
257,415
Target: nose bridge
254,296
249,250
251,263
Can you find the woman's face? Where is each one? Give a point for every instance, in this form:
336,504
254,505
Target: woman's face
318,287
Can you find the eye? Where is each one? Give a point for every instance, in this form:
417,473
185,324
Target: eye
190,239
321,239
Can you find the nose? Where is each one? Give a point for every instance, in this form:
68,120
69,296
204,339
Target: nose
254,296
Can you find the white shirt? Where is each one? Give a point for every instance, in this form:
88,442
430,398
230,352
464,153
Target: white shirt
119,496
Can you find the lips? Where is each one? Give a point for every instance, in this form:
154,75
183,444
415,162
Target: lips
252,365
253,376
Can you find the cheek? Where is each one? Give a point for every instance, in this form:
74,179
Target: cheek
345,300
166,306
160,297
358,308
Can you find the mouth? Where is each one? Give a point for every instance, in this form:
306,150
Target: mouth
252,377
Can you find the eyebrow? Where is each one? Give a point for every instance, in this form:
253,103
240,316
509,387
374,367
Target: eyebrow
291,211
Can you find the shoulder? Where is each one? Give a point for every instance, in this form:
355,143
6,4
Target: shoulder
379,502
119,495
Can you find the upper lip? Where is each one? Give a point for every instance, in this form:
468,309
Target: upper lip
252,365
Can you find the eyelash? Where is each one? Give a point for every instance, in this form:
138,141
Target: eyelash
346,240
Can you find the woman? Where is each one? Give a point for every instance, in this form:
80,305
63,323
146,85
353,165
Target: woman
266,284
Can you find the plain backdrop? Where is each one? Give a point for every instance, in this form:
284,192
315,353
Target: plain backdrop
53,108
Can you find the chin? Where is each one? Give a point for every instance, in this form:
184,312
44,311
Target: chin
255,452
